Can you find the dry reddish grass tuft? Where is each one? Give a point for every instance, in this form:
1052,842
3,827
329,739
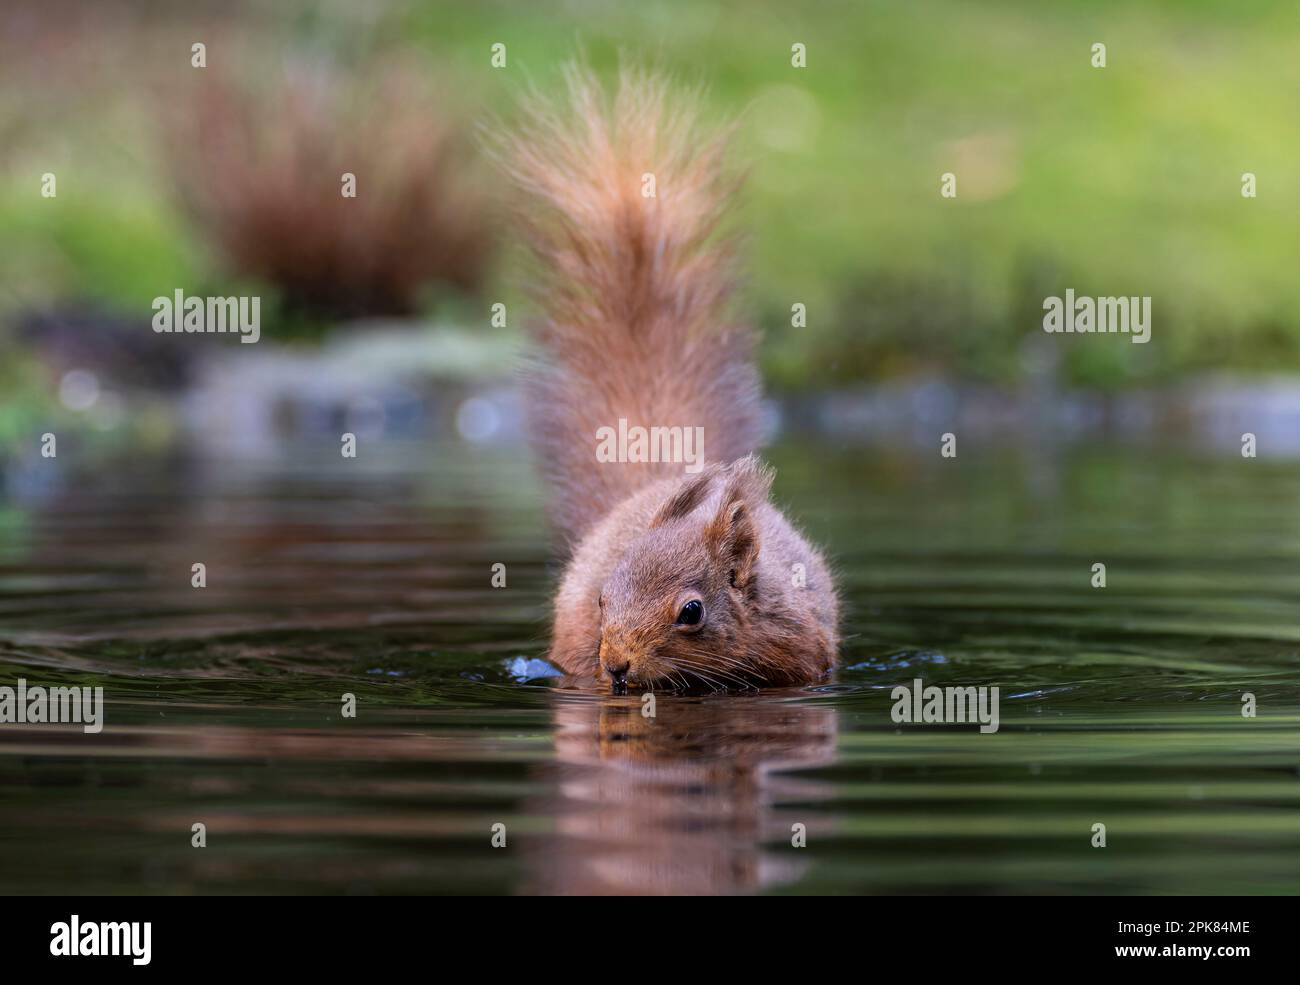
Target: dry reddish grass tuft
260,169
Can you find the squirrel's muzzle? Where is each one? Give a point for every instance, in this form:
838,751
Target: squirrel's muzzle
616,662
618,678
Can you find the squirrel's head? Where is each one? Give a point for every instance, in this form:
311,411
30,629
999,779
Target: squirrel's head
676,608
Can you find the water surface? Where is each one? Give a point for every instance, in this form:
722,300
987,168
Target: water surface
1120,706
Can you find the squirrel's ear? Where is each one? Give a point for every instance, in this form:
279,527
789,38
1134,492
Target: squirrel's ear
688,496
733,539
749,478
733,533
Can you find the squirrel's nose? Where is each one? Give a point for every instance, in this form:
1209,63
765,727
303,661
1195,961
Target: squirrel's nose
617,670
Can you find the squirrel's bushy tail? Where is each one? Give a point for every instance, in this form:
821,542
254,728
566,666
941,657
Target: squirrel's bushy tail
622,207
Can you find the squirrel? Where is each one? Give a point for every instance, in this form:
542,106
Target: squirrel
675,578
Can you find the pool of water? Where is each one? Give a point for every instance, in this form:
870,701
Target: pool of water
1120,706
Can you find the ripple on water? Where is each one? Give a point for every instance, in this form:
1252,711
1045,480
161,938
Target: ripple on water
1121,706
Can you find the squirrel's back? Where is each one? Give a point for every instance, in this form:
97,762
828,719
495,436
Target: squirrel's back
623,208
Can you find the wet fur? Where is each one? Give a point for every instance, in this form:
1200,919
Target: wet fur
635,293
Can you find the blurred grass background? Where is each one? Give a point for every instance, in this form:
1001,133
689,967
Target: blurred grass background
1122,180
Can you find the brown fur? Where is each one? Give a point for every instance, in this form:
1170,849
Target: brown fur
635,293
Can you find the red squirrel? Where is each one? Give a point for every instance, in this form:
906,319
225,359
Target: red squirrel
679,575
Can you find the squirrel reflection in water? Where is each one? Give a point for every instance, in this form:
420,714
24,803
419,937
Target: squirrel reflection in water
687,801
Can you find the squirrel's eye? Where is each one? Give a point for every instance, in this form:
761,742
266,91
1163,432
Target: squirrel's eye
691,614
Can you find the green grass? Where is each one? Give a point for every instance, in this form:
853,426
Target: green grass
1117,180
1122,180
